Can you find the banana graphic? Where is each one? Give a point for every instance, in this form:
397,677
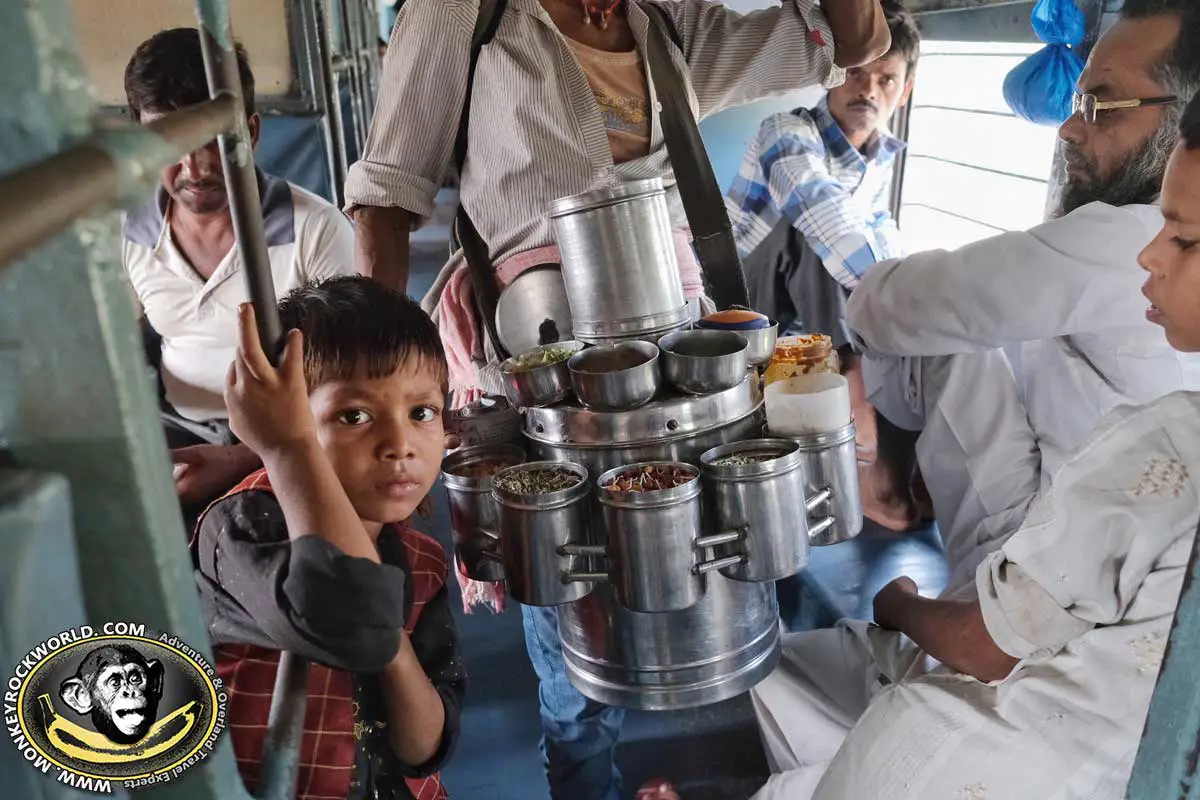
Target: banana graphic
79,743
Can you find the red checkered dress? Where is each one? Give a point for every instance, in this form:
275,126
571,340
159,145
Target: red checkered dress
331,727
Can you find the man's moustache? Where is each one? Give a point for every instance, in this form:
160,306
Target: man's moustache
200,187
864,104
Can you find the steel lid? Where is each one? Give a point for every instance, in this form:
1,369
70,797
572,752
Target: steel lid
533,310
606,196
664,418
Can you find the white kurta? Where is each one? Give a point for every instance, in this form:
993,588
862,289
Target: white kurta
1083,594
1064,300
1067,291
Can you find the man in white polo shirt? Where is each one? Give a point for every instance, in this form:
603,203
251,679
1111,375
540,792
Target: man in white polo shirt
186,273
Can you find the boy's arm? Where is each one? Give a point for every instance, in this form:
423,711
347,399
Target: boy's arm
269,412
302,595
952,631
423,690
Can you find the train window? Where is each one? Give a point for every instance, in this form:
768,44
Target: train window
974,168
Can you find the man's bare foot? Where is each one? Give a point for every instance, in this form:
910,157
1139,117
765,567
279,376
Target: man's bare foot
657,789
882,503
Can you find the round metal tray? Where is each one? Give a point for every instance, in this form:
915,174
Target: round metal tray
668,416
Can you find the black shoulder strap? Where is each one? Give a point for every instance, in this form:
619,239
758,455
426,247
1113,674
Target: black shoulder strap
703,202
475,251
490,12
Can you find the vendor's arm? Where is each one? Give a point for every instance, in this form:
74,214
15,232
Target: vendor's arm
860,31
1071,275
423,690
736,58
848,237
409,149
951,631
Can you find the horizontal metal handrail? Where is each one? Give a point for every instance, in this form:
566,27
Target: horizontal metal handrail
44,199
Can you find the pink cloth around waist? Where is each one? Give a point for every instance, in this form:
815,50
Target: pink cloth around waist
456,307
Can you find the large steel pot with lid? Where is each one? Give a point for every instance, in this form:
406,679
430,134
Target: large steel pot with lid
618,262
717,648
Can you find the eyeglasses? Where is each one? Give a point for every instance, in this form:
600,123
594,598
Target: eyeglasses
1086,105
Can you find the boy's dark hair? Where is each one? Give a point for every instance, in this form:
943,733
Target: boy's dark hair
1189,128
906,34
1179,72
166,73
350,320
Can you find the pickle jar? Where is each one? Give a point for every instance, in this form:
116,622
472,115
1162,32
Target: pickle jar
802,355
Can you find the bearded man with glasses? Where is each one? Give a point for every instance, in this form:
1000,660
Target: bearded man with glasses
1002,357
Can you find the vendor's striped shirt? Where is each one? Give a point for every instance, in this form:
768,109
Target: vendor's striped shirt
536,131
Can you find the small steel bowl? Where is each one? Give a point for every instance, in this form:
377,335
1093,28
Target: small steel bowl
541,386
762,343
704,361
615,377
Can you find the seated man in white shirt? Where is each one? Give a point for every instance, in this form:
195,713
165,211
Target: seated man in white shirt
186,272
1046,675
996,423
1064,298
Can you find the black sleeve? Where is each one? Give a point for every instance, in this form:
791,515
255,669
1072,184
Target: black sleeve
303,596
436,644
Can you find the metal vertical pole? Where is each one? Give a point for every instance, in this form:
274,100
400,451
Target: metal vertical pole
330,102
371,31
899,127
285,722
352,44
367,55
237,159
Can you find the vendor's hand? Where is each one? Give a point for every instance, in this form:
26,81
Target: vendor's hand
268,406
890,600
204,472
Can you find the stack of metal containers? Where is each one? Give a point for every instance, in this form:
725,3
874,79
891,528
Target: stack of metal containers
642,499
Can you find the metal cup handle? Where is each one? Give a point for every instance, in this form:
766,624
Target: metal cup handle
726,537
492,553
823,497
584,550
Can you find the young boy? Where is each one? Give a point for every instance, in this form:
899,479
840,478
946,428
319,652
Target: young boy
313,555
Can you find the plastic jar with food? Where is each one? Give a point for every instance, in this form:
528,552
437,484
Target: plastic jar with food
809,354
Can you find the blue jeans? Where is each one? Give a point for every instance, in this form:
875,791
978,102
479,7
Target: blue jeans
579,735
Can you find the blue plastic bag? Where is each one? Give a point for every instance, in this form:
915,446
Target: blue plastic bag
1059,22
1040,89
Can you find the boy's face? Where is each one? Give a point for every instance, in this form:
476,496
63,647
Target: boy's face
384,437
1173,258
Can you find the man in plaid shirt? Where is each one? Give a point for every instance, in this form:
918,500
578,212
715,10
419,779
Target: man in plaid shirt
810,212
